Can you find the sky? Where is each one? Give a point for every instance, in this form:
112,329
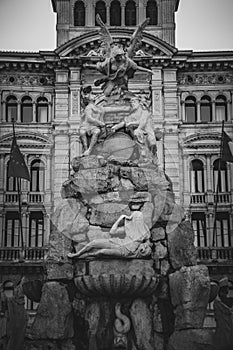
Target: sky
202,25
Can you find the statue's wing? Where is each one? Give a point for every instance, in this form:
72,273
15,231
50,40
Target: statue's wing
106,36
137,37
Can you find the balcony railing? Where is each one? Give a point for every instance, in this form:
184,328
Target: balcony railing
223,197
198,198
35,197
11,197
210,197
215,254
29,254
32,197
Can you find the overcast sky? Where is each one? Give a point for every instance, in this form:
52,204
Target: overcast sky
29,25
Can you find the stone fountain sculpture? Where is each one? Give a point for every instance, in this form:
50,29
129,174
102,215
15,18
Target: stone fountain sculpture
122,270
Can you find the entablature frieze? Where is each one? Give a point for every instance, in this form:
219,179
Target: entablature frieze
205,78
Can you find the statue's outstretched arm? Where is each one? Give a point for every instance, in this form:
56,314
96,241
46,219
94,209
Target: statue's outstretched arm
142,69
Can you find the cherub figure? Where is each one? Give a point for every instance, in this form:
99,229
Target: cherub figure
118,66
91,121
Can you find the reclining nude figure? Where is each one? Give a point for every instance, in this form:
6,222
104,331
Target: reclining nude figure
135,241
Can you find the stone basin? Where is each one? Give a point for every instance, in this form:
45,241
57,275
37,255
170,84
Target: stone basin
115,277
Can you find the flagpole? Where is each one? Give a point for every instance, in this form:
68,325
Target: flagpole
217,190
19,202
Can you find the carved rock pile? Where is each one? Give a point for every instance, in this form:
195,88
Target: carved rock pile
101,303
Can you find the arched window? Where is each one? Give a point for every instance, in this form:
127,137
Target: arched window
26,110
100,8
130,13
11,108
197,176
221,108
199,228
206,109
152,12
11,185
42,110
115,13
36,229
190,110
12,237
37,176
79,14
220,176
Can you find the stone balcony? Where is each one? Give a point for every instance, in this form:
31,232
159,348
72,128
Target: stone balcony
35,254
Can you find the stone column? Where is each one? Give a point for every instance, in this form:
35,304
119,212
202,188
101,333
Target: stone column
75,145
61,139
229,116
171,132
3,111
50,106
198,112
123,14
34,112
108,14
47,195
1,228
186,182
47,229
75,87
141,15
213,111
182,110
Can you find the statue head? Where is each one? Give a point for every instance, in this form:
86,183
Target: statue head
117,53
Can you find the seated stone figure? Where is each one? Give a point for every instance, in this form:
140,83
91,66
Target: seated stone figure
91,123
134,243
139,122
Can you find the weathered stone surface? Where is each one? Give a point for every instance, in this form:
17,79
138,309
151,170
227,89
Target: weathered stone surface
157,321
191,339
94,180
59,270
174,219
59,246
124,266
157,233
69,218
106,214
158,342
87,162
190,288
147,211
54,318
182,251
142,324
164,267
49,345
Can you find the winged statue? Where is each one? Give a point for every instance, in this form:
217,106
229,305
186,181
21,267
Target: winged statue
118,66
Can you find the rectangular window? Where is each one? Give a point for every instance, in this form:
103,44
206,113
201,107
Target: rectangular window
11,113
190,114
36,229
42,114
27,114
199,227
206,114
223,237
220,113
12,237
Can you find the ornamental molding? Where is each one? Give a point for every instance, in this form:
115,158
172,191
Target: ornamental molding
14,79
205,78
26,140
205,140
81,46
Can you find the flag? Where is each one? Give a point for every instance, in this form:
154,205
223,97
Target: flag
17,166
227,148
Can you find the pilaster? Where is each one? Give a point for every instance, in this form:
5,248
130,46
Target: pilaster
61,96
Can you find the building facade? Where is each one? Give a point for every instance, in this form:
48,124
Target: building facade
190,93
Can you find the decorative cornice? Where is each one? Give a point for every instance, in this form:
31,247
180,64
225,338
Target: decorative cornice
205,78
31,79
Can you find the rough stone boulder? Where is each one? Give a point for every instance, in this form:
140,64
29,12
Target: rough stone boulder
182,251
191,339
190,288
54,319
